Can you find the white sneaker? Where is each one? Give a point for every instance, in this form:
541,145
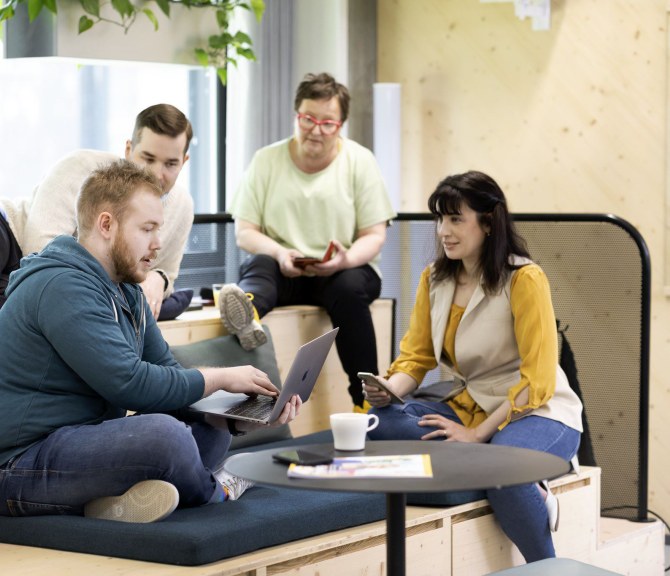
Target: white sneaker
237,315
553,508
146,501
233,485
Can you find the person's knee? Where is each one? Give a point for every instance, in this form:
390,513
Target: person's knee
258,263
353,283
163,437
386,415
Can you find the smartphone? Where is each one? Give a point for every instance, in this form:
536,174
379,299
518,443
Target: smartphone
370,380
304,261
303,457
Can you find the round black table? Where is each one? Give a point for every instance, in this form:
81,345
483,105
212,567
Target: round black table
456,466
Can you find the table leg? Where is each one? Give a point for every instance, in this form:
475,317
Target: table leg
395,534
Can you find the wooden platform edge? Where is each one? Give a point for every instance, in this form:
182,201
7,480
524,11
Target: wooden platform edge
361,549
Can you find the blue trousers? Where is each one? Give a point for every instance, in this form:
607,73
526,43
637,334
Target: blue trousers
76,464
520,510
346,296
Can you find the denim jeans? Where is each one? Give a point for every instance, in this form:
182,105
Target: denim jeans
346,296
76,464
520,510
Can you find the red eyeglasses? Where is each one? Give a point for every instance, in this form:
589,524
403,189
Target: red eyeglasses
308,123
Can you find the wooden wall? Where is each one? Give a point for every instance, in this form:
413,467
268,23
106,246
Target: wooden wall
567,120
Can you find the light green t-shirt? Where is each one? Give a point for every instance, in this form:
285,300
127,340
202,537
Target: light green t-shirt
306,211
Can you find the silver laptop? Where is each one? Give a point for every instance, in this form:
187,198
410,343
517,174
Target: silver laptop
300,380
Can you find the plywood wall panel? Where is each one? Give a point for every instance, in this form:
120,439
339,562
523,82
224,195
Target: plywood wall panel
567,120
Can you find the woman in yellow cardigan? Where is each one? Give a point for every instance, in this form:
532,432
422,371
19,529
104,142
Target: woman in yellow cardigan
484,310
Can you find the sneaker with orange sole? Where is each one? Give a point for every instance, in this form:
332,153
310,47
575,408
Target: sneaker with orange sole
240,318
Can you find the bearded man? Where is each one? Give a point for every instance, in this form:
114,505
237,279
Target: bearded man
81,349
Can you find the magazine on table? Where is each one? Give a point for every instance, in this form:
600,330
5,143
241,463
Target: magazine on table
393,466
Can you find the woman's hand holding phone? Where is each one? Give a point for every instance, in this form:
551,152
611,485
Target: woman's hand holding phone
370,379
301,261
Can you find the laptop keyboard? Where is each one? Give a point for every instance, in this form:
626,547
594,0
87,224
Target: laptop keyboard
256,408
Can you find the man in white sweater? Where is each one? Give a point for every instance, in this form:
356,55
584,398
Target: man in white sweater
160,141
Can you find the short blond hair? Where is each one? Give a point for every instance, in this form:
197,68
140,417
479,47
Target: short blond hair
110,189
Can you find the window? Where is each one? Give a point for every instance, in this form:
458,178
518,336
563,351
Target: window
52,106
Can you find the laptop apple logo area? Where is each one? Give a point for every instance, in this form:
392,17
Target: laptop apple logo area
301,378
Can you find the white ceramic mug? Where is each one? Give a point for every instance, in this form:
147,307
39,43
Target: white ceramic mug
349,429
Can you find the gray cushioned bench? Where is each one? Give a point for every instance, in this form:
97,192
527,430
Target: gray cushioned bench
263,517
555,567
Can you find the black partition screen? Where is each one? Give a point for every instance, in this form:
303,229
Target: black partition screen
599,270
211,253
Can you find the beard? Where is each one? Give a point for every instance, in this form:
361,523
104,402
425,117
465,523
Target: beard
127,268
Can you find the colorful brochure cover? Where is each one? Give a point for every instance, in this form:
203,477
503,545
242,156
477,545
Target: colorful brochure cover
394,466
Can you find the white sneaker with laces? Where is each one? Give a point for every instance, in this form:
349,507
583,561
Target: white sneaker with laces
237,315
146,501
233,485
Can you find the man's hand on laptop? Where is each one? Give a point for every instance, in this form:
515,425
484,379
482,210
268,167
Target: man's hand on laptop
239,379
290,411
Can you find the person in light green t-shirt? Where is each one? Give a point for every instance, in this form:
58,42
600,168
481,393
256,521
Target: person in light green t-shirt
297,197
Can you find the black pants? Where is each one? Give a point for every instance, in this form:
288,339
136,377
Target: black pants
10,255
346,296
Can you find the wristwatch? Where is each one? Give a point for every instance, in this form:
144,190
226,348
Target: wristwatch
163,275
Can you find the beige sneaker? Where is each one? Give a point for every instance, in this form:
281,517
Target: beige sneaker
146,501
237,315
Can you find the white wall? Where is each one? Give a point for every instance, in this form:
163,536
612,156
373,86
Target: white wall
321,41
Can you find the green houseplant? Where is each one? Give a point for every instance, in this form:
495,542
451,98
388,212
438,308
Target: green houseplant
217,50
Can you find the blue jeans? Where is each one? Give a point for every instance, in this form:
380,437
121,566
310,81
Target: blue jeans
520,510
76,464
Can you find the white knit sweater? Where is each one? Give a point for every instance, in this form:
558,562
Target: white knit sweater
51,211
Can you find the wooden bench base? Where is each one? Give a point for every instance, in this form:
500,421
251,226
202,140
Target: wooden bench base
458,541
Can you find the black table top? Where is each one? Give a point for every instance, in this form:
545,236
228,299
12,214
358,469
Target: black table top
456,466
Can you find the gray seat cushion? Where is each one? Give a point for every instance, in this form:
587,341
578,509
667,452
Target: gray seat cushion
555,567
264,516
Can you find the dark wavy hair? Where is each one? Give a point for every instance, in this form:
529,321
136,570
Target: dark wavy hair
483,195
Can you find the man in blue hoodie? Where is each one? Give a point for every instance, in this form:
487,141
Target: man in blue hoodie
80,349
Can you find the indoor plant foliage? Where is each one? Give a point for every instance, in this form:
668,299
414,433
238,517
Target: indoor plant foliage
217,50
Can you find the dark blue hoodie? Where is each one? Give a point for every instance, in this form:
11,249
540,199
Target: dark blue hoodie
75,348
